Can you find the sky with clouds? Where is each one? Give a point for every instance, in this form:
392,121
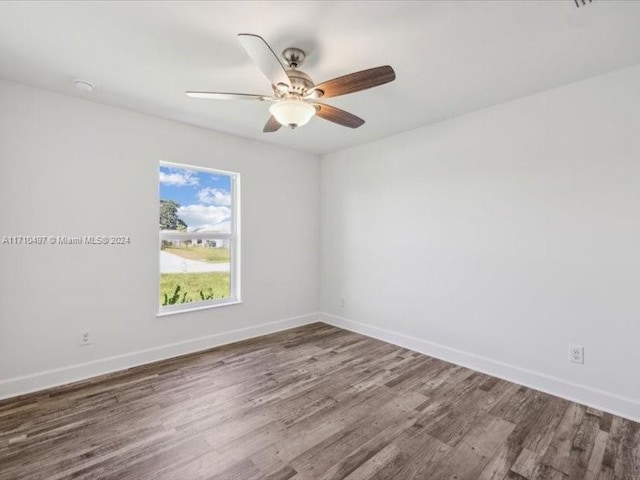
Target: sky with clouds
204,198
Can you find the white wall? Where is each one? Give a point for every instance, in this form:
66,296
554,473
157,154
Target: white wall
492,239
72,167
497,238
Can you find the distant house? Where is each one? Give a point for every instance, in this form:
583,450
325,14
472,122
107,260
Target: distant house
204,235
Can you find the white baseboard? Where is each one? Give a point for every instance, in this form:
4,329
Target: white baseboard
621,406
15,386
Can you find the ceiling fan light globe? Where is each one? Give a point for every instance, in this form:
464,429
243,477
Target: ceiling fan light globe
292,113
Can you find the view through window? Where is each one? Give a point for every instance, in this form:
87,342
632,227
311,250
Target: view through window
198,237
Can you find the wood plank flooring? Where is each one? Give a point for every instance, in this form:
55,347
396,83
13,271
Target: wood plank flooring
313,403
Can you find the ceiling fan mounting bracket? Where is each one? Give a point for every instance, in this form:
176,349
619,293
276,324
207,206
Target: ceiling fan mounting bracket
294,57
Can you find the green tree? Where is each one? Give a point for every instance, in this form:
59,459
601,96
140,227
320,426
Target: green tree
169,219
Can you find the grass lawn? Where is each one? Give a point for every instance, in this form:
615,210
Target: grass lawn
202,254
193,283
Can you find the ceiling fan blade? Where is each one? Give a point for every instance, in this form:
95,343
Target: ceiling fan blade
225,96
261,53
355,82
272,125
338,116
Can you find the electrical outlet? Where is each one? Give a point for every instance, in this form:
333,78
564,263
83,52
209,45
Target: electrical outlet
576,354
342,302
86,338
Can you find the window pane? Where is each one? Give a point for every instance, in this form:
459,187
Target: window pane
194,270
195,206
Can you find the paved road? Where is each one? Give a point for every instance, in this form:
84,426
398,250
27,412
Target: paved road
170,263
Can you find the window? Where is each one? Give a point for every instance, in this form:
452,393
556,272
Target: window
199,241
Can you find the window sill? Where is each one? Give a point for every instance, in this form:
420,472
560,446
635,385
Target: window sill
166,313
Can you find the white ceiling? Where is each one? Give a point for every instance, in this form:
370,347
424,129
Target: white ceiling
450,57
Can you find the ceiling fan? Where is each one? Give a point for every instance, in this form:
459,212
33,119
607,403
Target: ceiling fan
295,96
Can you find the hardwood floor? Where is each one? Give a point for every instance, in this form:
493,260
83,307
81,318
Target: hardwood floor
315,403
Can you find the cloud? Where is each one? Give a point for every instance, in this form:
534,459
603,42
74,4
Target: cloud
178,177
214,196
197,216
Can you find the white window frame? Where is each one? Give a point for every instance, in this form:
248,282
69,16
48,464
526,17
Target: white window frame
234,245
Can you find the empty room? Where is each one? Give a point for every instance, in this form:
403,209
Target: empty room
320,240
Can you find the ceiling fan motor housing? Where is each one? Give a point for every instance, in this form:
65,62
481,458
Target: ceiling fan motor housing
300,81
